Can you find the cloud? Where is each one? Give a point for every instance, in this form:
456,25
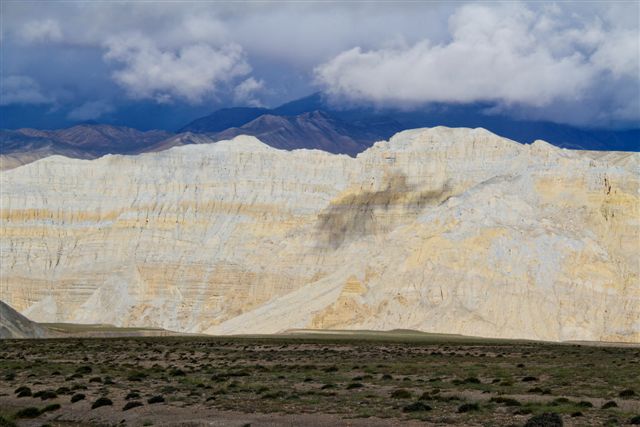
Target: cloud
508,53
191,72
245,92
568,61
41,31
90,110
22,90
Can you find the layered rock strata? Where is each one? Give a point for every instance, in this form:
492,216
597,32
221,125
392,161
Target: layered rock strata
441,230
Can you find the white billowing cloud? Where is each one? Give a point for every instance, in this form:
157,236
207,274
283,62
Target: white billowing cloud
245,93
22,90
41,31
90,110
508,53
191,72
619,54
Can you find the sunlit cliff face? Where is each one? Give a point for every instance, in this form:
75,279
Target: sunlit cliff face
441,230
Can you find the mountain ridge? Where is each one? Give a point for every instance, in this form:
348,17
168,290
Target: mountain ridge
309,122
451,115
441,230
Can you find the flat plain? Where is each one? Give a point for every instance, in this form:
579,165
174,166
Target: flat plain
316,379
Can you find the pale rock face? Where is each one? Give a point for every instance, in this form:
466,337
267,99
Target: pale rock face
441,230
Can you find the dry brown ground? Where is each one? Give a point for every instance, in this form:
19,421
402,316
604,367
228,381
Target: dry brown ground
350,379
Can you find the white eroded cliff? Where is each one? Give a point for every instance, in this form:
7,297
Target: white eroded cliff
442,230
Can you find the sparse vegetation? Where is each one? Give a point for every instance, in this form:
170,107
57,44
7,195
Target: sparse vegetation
357,377
401,394
50,408
4,422
155,399
132,395
28,412
507,401
45,394
417,407
132,404
627,393
354,386
545,420
77,397
468,407
103,401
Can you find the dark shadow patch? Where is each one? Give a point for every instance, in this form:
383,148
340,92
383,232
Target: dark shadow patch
374,212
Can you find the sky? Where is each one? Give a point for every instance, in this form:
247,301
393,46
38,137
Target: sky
161,64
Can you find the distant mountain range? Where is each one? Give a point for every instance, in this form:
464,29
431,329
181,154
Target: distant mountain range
382,123
309,122
85,141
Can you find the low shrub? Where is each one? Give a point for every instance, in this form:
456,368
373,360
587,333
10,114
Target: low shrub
137,376
627,393
46,394
22,389
63,390
544,420
416,407
274,395
50,408
6,423
103,401
83,370
131,405
468,407
425,396
24,393
30,412
401,393
507,401
560,401
155,399
77,397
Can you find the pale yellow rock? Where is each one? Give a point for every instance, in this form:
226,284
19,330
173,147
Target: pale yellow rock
441,230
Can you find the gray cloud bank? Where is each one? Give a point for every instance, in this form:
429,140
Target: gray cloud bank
567,62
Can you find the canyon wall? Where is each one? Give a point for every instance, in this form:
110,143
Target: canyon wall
441,230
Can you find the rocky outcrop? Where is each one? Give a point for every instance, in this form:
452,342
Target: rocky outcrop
441,230
15,325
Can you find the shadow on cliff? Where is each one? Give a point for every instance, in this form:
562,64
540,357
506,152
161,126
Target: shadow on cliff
373,212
